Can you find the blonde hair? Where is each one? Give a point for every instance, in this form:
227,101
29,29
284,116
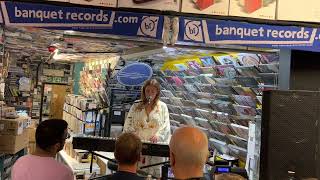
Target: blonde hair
144,100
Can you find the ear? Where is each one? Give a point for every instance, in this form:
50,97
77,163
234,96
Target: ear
172,159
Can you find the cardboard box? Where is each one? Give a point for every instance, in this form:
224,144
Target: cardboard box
31,134
103,166
211,7
253,8
104,3
12,144
31,147
13,126
6,110
162,5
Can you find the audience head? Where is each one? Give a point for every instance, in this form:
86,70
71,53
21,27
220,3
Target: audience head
188,152
128,149
51,135
229,176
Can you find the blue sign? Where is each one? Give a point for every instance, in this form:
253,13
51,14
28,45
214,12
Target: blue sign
134,74
220,32
82,19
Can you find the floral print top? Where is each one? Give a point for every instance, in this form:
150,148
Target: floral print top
156,124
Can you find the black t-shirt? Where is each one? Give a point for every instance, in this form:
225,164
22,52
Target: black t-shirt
121,175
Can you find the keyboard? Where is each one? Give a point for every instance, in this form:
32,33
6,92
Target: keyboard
107,144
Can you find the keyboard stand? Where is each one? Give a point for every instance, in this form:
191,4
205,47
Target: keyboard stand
96,154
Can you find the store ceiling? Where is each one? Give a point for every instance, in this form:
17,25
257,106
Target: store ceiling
34,43
74,46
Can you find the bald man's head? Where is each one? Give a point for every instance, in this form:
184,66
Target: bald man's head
189,147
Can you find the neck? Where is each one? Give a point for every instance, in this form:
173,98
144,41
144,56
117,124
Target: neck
186,173
128,168
43,153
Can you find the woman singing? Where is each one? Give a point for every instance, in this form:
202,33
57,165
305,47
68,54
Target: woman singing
149,119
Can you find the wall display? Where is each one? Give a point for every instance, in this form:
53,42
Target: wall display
213,7
163,5
219,96
220,32
105,3
264,9
83,19
288,10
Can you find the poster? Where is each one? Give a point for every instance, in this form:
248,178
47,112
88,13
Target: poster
262,9
211,7
163,5
290,10
105,3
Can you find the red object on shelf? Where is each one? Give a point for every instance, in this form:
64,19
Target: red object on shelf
51,49
252,5
203,4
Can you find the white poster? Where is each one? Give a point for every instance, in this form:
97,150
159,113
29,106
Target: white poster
262,9
163,5
212,7
297,10
105,3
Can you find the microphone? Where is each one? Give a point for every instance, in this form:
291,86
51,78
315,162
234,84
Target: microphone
149,99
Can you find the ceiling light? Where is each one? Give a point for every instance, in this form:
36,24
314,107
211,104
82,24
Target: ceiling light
69,32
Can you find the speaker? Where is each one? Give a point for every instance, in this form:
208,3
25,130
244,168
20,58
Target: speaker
290,135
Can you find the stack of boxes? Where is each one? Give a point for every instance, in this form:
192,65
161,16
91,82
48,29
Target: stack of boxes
13,139
32,139
13,134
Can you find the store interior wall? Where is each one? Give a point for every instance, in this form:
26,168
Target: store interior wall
305,70
76,77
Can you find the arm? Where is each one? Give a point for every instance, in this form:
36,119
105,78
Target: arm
164,130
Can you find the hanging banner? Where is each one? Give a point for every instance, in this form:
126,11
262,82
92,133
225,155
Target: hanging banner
221,32
83,19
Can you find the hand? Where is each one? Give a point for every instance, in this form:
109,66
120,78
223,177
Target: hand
154,139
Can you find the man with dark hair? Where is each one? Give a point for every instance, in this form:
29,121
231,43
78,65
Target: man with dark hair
41,165
127,153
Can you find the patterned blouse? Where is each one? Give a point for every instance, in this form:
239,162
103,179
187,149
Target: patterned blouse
156,124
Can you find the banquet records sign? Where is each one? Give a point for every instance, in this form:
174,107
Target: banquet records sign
82,19
134,74
240,33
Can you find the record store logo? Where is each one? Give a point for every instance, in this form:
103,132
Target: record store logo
149,26
134,74
193,31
